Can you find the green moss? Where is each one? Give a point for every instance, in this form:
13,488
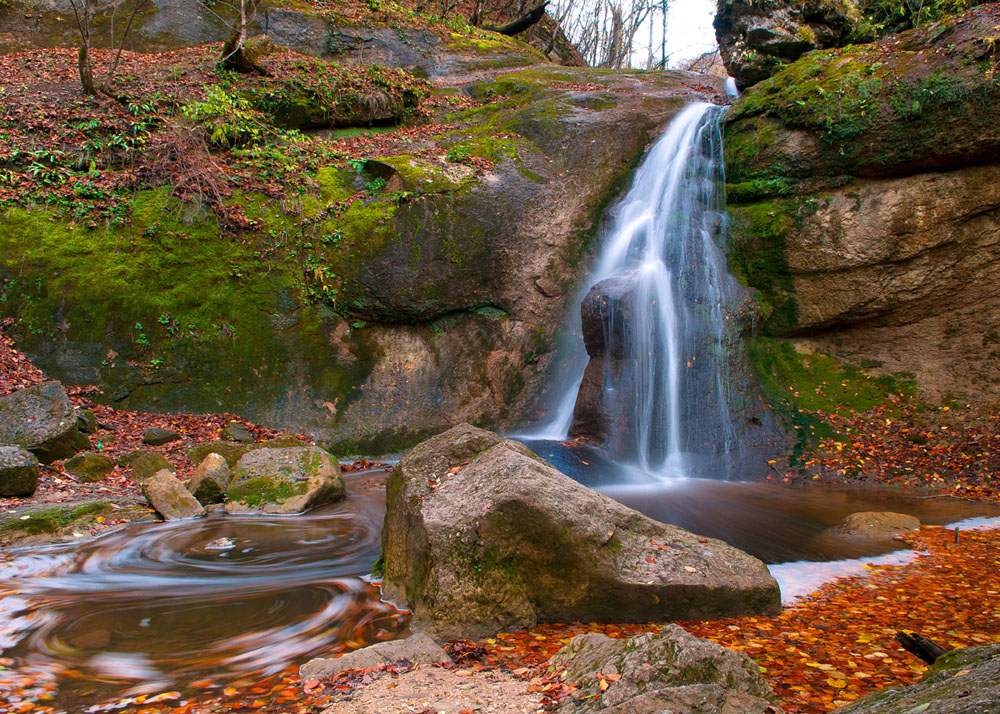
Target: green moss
758,257
800,384
51,520
264,489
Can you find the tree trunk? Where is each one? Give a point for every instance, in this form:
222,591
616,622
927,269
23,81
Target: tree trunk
86,70
918,645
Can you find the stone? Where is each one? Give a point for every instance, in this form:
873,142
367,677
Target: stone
86,421
237,432
481,535
158,436
284,480
874,525
210,480
233,452
82,442
417,649
41,420
963,681
671,671
756,39
90,466
144,463
18,471
168,497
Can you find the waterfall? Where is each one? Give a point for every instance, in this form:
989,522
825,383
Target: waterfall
662,317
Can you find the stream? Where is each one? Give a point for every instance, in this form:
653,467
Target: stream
205,603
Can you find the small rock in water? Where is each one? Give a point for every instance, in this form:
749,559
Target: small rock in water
221,544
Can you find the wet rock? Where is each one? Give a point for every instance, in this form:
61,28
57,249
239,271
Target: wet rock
144,463
418,649
672,671
284,480
963,681
90,466
210,480
86,421
237,432
606,315
168,497
482,535
232,451
41,420
158,436
874,525
18,471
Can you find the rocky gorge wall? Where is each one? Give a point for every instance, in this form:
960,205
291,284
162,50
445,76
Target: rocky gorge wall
863,190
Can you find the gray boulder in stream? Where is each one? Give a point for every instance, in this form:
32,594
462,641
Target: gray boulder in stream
41,420
482,535
288,480
673,671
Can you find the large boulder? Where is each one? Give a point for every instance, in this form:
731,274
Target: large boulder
168,497
672,671
865,197
288,480
40,419
482,535
18,471
759,37
964,681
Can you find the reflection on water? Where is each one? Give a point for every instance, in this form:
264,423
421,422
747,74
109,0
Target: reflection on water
156,606
775,523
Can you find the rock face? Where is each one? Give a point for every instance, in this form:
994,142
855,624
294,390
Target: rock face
289,480
758,38
18,471
210,480
41,420
438,286
481,535
870,222
874,525
168,497
673,671
90,467
418,649
964,681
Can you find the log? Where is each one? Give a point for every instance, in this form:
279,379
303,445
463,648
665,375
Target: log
522,23
920,646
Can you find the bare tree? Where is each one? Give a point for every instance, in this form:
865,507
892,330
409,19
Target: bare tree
237,15
605,31
86,12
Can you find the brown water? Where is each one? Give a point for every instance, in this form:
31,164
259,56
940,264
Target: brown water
162,605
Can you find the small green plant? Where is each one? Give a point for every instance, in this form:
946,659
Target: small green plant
229,119
375,185
357,164
457,155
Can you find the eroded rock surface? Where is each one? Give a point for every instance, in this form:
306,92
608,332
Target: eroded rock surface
417,649
672,671
874,525
41,420
482,535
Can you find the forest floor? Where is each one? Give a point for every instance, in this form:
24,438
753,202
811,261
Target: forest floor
822,652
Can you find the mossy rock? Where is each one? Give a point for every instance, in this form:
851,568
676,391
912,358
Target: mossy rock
144,463
284,480
90,466
49,520
233,451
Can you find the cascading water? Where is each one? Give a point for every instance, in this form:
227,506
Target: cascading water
661,319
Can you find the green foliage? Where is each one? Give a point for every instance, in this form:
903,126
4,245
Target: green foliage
229,119
881,17
375,185
458,155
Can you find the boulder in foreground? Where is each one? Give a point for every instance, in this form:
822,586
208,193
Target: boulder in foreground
964,681
673,671
289,480
41,420
482,535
